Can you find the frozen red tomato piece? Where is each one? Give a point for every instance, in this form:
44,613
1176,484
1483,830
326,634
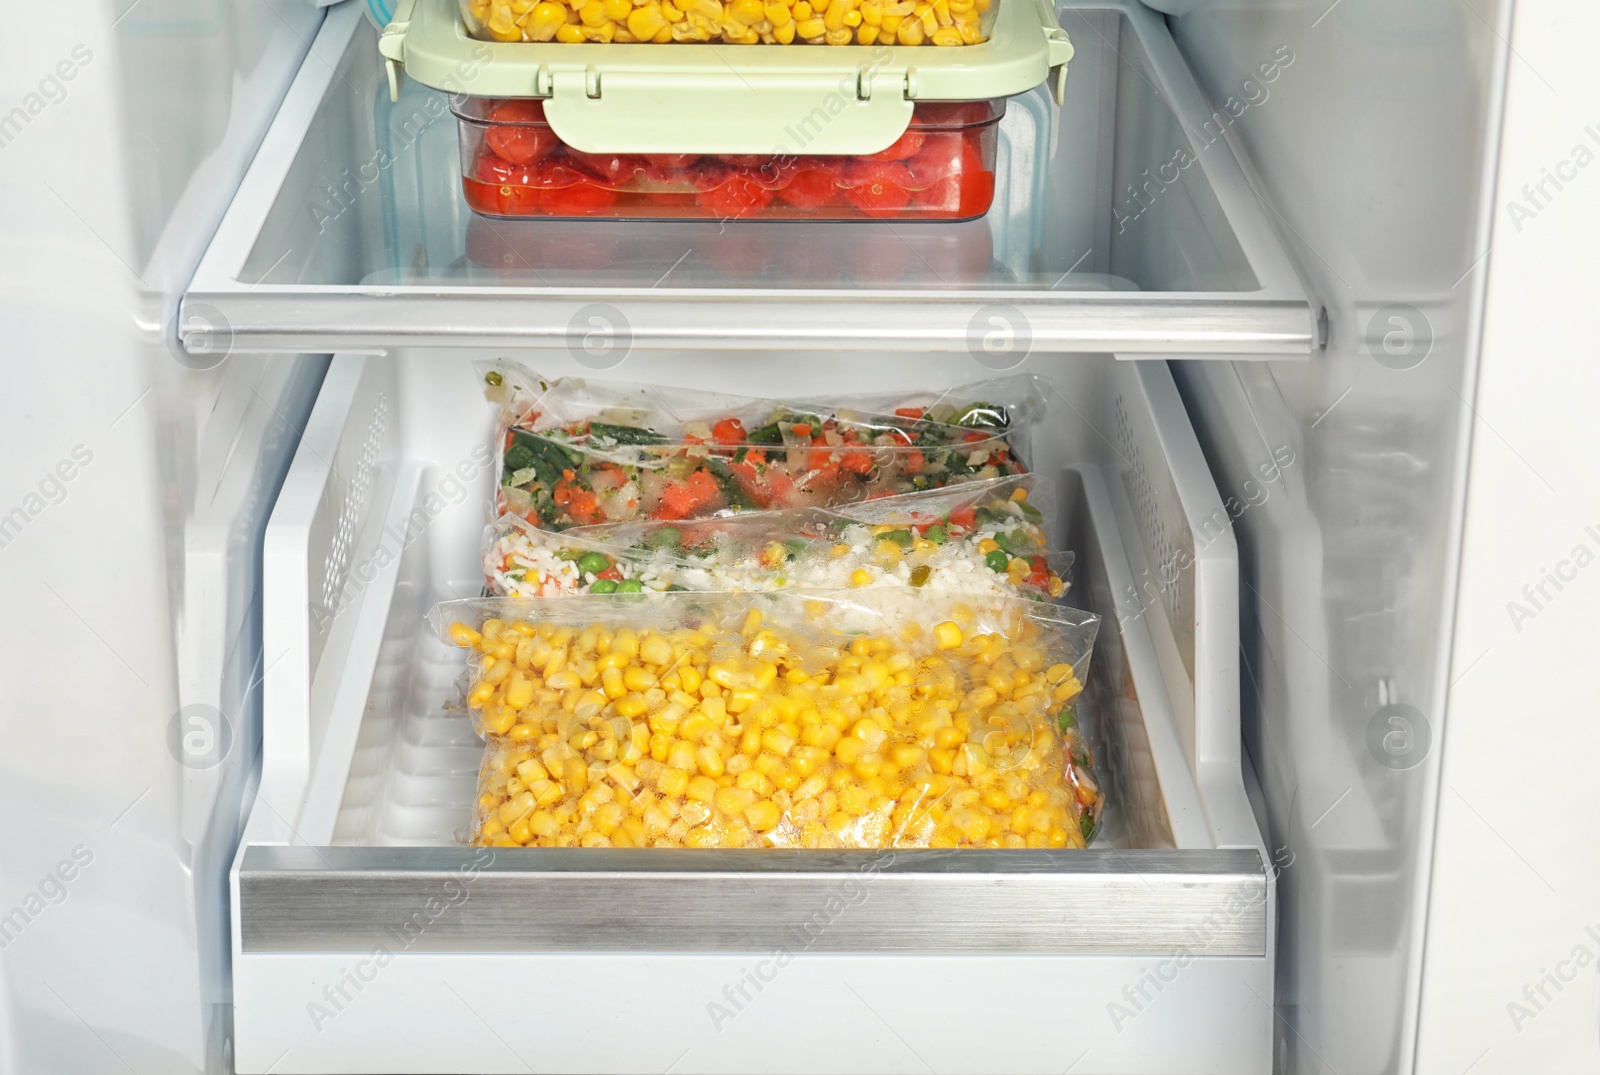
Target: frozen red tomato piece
904,146
507,189
703,175
977,191
810,187
739,195
562,190
939,158
493,169
878,188
517,132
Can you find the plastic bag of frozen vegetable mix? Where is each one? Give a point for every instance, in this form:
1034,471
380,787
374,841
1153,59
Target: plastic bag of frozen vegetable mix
632,455
791,720
540,404
983,539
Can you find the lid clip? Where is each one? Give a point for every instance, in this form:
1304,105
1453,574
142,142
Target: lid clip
1058,50
392,44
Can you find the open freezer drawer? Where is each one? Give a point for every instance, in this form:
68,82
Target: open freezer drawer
367,939
1122,223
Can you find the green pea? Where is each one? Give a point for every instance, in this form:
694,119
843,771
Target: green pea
919,575
901,538
630,586
668,537
593,563
997,560
493,378
603,586
937,533
1067,719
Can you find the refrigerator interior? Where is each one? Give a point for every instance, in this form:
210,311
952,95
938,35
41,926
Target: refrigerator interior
243,201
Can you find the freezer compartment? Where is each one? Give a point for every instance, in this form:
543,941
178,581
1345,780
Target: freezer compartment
367,938
1120,222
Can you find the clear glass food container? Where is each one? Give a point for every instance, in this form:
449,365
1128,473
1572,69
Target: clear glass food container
513,165
733,22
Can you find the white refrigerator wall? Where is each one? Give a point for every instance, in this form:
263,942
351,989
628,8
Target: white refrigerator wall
1510,981
134,489
1374,147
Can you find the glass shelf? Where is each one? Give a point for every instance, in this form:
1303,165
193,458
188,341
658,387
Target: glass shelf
1122,222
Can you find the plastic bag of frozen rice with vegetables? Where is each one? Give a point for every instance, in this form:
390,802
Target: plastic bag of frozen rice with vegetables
984,539
580,453
776,720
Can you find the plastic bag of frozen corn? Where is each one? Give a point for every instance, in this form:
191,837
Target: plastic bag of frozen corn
573,452
789,719
983,539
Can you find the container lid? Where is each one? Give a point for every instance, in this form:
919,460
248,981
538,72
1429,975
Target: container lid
705,98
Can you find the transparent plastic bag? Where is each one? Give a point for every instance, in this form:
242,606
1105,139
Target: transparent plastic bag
576,453
776,720
981,539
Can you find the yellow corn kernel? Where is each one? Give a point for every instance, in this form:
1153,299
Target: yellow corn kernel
574,776
702,789
948,635
544,20
860,576
866,35
673,782
637,679
709,761
515,808
569,34
809,28
732,802
464,636
695,726
949,35
564,680
689,678
785,33
849,750
763,816
631,705
653,649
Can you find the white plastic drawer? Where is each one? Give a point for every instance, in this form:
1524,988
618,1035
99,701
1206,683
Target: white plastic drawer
366,938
